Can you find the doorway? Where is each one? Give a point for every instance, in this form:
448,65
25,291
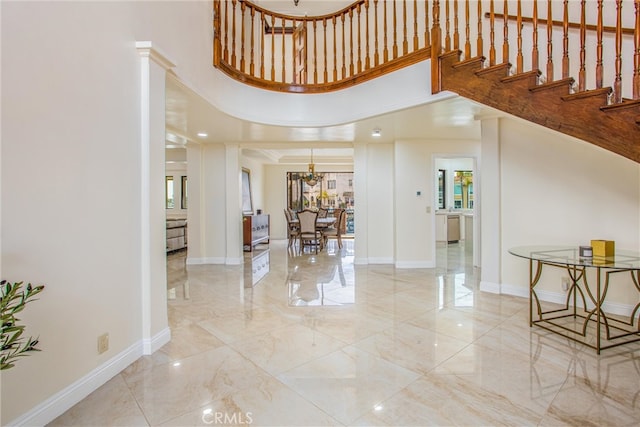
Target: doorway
456,217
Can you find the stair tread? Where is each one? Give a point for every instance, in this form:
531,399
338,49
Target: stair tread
567,82
478,60
625,104
504,67
522,76
587,94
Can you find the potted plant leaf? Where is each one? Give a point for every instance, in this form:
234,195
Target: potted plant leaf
14,298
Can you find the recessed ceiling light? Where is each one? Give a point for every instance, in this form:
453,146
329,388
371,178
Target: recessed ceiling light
376,132
203,134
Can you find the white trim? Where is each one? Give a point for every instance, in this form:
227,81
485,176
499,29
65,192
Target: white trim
60,402
415,264
150,346
200,261
234,261
490,287
514,290
360,261
382,260
560,298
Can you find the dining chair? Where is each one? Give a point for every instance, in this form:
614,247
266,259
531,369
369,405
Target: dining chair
322,212
293,229
309,234
335,232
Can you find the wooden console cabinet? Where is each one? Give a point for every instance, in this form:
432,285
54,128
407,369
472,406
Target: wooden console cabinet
255,230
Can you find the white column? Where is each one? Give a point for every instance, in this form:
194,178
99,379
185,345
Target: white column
490,209
195,224
153,275
233,200
361,213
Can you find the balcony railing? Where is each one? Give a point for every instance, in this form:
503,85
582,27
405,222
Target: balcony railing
321,53
593,41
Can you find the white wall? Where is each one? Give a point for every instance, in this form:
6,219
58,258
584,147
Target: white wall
558,190
416,170
70,119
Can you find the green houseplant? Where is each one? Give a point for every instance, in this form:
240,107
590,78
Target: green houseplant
14,299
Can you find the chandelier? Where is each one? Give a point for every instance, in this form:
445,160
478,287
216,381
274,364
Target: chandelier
295,2
311,177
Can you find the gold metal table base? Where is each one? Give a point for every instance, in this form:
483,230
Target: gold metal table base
581,325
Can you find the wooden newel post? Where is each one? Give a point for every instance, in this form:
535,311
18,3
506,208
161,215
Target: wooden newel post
436,48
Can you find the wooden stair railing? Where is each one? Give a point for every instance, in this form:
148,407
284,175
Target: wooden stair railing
597,43
605,116
310,54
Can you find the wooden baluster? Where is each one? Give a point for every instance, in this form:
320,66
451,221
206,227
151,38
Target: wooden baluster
467,29
233,34
359,39
492,34
599,32
436,47
395,31
456,34
294,55
344,50
519,58
549,43
447,24
636,54
505,37
416,42
315,52
282,54
376,55
427,37
226,32
565,40
273,48
351,68
217,46
335,50
367,60
617,84
252,67
405,41
326,71
534,52
262,25
583,35
306,52
480,44
243,8
385,54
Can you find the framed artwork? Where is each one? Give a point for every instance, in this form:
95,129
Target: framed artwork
247,203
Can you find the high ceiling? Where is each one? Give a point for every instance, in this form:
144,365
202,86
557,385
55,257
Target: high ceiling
188,115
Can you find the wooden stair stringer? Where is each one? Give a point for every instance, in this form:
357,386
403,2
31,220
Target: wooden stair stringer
579,115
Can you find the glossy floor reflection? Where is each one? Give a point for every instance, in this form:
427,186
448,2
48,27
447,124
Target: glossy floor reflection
314,340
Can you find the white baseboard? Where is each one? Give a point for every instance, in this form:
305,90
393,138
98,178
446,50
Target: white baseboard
415,264
150,346
200,261
234,261
381,260
65,399
490,287
560,298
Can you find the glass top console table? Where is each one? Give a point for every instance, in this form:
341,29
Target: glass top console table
582,318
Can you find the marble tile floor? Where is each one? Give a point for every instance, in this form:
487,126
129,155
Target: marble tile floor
319,341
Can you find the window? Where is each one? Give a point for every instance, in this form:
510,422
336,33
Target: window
169,192
183,201
331,184
441,188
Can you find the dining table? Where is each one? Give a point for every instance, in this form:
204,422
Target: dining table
320,222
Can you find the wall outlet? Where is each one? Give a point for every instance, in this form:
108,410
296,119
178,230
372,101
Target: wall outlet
565,284
103,343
